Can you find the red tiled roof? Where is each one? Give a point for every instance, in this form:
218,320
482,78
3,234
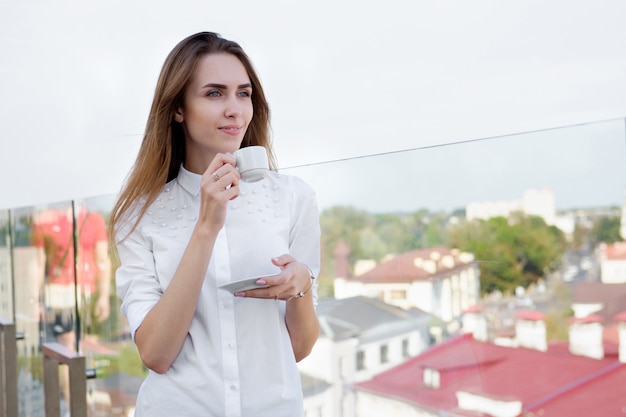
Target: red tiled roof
476,308
611,296
530,315
615,251
601,394
610,334
403,269
620,316
552,380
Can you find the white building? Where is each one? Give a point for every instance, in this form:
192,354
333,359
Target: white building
528,377
613,263
533,203
441,281
359,338
622,229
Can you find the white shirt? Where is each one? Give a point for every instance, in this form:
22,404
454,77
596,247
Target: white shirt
237,358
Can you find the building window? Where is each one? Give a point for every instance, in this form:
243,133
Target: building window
384,354
431,378
405,348
360,360
397,294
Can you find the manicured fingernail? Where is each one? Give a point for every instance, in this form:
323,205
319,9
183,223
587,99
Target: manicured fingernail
261,281
239,294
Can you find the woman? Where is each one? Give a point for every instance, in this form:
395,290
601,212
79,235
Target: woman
185,225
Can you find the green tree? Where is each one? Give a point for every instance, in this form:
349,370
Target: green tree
373,236
436,230
580,236
606,229
397,231
339,224
511,252
371,245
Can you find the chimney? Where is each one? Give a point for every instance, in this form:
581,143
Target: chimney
474,322
429,266
621,319
342,260
585,336
530,330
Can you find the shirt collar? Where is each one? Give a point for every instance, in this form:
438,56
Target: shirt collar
189,181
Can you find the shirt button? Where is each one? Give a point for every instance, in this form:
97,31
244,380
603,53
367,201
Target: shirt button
231,345
233,388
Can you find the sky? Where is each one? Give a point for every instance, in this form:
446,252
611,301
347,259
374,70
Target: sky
584,166
344,79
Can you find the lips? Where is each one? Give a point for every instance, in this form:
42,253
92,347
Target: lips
231,130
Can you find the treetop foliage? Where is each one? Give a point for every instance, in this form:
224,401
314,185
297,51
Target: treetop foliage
512,252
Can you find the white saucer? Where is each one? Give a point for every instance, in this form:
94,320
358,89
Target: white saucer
242,285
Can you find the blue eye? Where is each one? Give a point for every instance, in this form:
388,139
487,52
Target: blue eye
213,93
244,94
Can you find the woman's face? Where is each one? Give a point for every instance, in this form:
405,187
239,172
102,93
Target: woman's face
217,109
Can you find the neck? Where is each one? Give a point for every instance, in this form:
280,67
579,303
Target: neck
197,164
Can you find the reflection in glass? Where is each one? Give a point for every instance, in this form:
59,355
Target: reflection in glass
30,311
105,338
6,286
71,300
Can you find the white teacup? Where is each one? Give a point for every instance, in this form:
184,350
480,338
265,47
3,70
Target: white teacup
252,163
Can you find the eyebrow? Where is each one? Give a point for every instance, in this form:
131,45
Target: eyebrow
223,87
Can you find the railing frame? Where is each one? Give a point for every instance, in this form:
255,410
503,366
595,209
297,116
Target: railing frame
8,368
55,354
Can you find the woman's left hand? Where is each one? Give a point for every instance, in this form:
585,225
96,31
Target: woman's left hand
294,277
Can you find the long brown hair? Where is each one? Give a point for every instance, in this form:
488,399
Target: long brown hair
162,150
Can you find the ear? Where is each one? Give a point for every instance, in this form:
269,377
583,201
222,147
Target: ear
179,115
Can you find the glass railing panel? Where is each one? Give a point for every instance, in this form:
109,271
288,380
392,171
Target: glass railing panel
6,283
558,192
45,298
105,336
553,189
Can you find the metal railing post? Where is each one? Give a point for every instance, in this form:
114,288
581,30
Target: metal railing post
8,369
55,354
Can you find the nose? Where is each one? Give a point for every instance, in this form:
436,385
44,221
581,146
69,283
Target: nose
233,107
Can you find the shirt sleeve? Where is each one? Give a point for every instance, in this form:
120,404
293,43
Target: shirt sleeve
304,235
135,279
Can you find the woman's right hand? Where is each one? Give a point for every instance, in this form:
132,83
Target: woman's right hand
219,185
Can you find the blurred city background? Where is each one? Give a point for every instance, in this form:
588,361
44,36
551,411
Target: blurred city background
449,274
468,159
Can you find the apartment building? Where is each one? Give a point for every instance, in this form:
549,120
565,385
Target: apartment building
360,337
469,377
441,281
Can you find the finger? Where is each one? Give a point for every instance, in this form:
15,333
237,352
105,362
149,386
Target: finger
257,293
224,175
269,290
220,160
273,280
225,181
219,166
222,183
282,260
